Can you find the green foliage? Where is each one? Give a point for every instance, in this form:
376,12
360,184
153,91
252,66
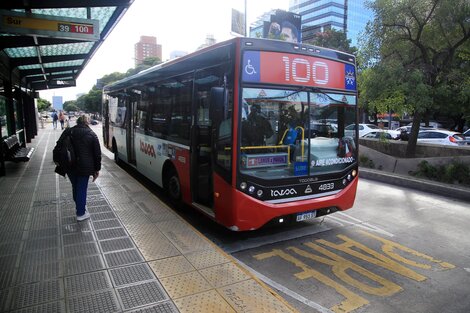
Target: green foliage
43,105
366,162
455,172
414,58
71,106
332,39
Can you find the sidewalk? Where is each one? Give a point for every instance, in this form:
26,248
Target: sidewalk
134,254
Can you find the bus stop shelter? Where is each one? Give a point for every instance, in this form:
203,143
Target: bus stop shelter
45,45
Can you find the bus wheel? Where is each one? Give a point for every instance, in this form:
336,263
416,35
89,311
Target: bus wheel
173,185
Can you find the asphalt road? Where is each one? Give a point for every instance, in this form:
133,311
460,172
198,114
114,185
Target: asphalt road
396,250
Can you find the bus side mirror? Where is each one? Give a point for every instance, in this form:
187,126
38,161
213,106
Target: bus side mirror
218,105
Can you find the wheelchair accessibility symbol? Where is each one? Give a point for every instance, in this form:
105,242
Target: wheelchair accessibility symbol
249,69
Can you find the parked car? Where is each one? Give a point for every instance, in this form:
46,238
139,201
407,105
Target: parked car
441,137
363,129
466,133
379,134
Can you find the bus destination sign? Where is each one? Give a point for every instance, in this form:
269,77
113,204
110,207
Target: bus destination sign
296,69
49,26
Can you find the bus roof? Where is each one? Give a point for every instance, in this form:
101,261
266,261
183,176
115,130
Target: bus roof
219,53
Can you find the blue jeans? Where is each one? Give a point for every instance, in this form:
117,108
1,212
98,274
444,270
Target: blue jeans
79,190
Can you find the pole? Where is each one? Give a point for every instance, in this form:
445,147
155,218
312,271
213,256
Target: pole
246,21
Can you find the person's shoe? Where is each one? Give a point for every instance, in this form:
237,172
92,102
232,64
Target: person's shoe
83,217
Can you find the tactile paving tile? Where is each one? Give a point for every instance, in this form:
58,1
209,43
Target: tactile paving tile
250,294
34,294
40,257
84,264
155,246
10,248
205,302
82,237
100,209
171,266
186,284
6,237
8,262
89,282
103,216
116,244
96,203
83,249
131,274
71,219
164,307
7,279
111,233
103,301
176,225
206,258
125,257
142,294
136,229
98,225
223,274
45,232
51,307
38,272
187,241
42,243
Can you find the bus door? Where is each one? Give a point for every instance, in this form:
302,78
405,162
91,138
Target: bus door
105,124
201,164
133,100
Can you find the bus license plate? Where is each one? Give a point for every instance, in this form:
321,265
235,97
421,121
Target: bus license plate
306,216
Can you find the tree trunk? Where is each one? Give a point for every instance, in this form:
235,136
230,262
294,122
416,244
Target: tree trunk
411,146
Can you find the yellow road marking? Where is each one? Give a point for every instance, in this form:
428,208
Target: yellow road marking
390,246
340,266
372,257
352,301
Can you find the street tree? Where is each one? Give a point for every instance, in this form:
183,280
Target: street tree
43,105
71,105
332,39
410,54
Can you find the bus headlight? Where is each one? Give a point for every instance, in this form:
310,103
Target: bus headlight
243,186
259,193
251,189
345,181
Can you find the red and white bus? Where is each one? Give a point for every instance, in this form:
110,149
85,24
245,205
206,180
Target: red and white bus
249,131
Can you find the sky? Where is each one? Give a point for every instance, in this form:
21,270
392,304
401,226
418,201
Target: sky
177,24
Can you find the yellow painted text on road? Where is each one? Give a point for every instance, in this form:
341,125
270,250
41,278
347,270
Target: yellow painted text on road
343,268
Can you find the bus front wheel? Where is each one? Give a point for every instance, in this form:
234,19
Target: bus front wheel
173,186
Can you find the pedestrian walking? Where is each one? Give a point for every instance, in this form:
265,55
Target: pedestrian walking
62,119
88,163
55,117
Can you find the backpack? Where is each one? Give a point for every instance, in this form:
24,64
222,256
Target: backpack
64,154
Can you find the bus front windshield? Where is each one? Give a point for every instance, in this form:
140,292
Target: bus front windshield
287,133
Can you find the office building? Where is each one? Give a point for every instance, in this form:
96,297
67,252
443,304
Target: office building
147,47
320,15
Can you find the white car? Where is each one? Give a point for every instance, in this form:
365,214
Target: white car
378,135
441,137
363,129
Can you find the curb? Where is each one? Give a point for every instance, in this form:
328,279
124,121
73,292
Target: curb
446,190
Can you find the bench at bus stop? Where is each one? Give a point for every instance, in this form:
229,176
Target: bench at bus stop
14,151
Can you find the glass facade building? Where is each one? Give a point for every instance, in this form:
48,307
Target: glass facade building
350,16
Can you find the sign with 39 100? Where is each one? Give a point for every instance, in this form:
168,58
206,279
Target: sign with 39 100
49,26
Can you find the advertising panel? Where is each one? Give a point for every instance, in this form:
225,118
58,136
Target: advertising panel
284,26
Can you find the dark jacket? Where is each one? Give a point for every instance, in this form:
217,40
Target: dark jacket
87,150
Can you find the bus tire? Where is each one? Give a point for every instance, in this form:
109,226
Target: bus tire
173,185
